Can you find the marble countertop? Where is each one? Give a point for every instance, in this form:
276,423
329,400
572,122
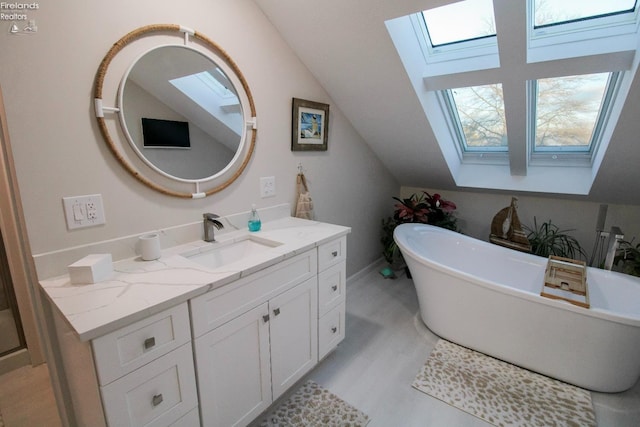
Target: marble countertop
138,289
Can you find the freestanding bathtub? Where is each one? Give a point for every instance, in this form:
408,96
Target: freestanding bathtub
487,298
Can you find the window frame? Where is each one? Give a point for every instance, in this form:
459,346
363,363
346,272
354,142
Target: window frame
431,77
462,54
589,36
452,110
570,156
608,16
474,54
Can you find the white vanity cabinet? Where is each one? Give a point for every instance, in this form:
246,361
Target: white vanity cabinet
270,341
139,374
170,343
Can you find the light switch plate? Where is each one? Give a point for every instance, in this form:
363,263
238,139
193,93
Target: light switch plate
83,211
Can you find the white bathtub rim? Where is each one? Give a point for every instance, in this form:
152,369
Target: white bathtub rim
518,293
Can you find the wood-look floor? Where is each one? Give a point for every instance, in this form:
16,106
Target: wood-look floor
26,398
386,344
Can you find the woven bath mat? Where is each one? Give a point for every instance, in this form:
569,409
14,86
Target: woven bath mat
313,405
500,393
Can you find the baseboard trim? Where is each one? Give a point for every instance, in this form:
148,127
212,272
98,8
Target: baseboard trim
14,360
366,270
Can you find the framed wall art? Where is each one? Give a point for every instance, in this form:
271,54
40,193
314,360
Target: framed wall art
310,126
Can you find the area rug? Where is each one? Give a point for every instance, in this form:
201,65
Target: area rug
500,393
313,405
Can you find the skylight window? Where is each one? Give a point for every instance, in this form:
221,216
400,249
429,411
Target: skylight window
480,113
459,22
554,12
557,84
567,110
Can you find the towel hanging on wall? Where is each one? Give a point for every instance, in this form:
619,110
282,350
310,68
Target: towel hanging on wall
304,205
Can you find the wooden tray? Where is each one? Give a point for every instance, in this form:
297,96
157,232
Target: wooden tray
566,279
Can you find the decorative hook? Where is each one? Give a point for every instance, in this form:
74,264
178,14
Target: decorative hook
299,167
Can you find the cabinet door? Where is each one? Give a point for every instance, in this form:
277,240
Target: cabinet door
294,335
233,370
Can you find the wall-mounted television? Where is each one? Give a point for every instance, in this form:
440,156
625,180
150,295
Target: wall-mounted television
158,133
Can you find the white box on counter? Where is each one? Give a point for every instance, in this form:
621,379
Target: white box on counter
93,268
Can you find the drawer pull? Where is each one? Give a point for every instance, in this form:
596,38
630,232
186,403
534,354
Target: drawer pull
157,399
149,342
334,253
334,329
265,318
334,288
276,311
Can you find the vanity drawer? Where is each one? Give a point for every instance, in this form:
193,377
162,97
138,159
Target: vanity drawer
122,351
332,253
158,394
330,330
331,288
217,307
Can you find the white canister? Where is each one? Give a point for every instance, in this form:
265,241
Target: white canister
150,247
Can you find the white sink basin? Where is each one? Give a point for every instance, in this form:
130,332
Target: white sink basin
223,253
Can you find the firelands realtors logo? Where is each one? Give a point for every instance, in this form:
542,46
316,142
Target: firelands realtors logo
18,15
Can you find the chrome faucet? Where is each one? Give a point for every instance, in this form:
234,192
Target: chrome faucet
209,222
615,237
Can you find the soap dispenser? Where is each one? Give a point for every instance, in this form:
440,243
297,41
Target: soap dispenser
254,219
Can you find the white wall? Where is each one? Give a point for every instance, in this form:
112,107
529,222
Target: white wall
48,80
475,211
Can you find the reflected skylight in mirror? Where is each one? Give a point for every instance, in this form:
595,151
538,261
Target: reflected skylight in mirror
461,21
567,109
552,12
208,92
480,111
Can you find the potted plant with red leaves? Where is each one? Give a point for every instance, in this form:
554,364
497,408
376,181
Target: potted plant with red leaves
418,208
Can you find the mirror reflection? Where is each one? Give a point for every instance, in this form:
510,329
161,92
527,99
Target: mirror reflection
181,113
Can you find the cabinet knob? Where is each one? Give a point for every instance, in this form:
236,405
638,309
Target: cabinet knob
334,329
265,318
334,288
149,342
334,253
157,399
276,311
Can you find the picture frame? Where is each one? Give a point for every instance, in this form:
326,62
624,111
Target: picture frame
310,125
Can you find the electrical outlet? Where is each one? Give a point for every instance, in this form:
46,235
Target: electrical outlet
267,186
83,211
92,211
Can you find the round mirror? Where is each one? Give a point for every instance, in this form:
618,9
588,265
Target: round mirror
181,113
185,112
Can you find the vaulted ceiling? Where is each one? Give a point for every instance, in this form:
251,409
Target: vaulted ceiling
347,47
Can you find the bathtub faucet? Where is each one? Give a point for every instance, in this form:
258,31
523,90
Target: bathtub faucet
615,237
209,222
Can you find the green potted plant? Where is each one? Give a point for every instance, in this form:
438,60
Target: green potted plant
418,208
548,239
629,256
